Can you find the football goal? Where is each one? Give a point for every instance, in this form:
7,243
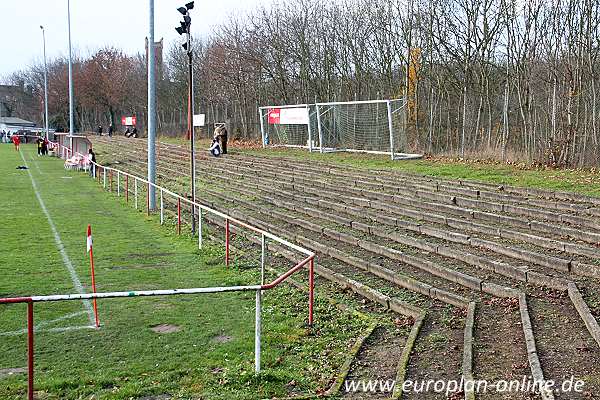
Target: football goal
376,126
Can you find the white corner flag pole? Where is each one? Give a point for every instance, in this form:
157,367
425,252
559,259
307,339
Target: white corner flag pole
91,251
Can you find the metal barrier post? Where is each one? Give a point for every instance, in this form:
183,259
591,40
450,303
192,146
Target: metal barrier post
227,242
262,128
320,129
104,169
310,140
391,128
110,180
311,289
30,350
162,208
199,228
127,188
135,192
118,184
262,258
179,216
257,328
148,200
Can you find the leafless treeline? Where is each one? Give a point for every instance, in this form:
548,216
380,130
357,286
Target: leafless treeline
505,78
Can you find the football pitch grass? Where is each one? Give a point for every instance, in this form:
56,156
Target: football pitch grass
211,353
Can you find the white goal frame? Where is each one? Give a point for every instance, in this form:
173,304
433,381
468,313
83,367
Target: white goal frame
313,136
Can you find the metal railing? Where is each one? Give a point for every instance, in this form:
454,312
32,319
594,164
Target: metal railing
228,221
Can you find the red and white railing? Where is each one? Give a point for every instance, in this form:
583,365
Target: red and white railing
228,221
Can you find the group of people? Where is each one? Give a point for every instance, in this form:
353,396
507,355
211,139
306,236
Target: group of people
42,146
130,133
99,131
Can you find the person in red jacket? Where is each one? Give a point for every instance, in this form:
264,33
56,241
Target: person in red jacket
17,141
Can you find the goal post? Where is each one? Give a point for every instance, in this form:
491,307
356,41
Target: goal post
373,126
289,126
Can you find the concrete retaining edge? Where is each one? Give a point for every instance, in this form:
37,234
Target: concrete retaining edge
532,356
402,368
584,312
467,364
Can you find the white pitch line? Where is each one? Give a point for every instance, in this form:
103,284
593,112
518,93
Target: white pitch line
60,245
64,329
36,164
38,327
64,317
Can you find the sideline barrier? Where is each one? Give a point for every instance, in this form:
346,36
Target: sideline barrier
308,260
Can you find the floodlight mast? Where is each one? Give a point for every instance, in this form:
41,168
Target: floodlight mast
71,90
45,82
151,110
185,28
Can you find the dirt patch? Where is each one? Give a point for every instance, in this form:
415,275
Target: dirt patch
166,328
376,360
11,371
222,338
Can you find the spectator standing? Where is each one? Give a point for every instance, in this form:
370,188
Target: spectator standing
221,135
45,144
99,130
92,161
110,130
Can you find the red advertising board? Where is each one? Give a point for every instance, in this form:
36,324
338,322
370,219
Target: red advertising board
273,116
288,116
128,121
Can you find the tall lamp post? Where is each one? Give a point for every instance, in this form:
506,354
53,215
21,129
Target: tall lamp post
71,96
45,82
151,111
185,28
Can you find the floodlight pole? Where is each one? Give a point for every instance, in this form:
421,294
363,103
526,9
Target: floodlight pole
185,28
71,95
151,111
45,82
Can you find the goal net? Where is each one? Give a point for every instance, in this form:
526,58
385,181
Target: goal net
376,126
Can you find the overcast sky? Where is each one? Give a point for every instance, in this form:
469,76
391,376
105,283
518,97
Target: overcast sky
96,23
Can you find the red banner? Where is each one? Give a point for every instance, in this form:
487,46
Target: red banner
288,116
273,116
131,121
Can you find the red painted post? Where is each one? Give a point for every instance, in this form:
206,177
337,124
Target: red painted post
178,216
126,188
30,350
227,242
311,289
91,251
148,199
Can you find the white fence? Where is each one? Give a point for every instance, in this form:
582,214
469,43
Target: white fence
375,126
